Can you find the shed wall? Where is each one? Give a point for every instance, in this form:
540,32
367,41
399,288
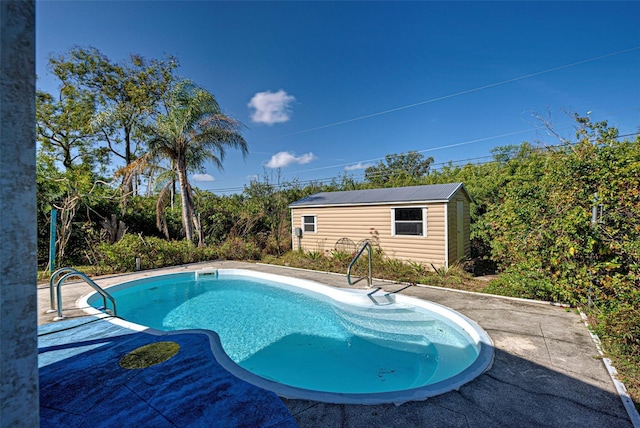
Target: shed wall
374,223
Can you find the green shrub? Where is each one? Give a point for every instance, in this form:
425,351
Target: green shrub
619,330
313,255
341,256
153,253
392,269
526,283
121,256
290,258
382,266
239,249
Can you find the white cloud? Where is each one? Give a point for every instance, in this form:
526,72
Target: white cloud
358,165
271,107
202,177
282,159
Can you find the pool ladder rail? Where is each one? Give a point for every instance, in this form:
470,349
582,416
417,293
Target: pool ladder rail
369,277
68,272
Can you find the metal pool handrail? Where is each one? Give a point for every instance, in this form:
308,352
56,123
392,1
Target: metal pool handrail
69,272
366,245
52,282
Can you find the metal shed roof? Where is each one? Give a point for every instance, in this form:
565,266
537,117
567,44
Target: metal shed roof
410,194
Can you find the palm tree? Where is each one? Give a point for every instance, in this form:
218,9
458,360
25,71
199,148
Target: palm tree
192,130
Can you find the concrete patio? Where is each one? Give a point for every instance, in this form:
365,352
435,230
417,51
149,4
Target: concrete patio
547,369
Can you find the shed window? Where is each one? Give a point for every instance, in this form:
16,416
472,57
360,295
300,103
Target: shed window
410,221
309,223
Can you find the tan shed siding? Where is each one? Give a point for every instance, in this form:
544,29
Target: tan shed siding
425,250
453,246
374,222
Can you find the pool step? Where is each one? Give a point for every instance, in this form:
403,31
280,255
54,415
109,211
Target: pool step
400,341
400,325
381,298
394,325
388,313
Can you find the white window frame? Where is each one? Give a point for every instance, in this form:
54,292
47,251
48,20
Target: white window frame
424,222
315,223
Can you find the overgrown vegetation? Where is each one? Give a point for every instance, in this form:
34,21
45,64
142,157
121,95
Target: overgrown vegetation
556,222
562,225
382,268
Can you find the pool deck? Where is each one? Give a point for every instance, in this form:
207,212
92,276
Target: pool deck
547,371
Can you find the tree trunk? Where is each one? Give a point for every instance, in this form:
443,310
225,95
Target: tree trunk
198,227
128,185
67,213
185,197
115,229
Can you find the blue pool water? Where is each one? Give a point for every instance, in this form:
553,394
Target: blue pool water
304,338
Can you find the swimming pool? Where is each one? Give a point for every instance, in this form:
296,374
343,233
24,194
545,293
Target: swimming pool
302,339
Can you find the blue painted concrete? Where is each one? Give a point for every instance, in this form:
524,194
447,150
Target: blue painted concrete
82,383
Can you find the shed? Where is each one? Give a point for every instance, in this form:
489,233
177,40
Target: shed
424,224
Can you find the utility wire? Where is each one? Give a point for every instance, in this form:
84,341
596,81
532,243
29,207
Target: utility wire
454,163
431,169
448,146
539,128
478,140
468,91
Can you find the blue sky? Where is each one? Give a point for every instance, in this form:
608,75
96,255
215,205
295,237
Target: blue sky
327,88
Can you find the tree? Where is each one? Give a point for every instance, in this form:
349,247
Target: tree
63,126
127,94
66,139
67,191
398,170
191,130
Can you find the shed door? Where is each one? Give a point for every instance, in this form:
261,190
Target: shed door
460,229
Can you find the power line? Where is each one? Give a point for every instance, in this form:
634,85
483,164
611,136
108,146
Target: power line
432,169
478,140
238,188
321,181
539,128
468,91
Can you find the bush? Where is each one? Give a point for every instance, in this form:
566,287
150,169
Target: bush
239,249
619,330
153,253
393,269
525,282
290,258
